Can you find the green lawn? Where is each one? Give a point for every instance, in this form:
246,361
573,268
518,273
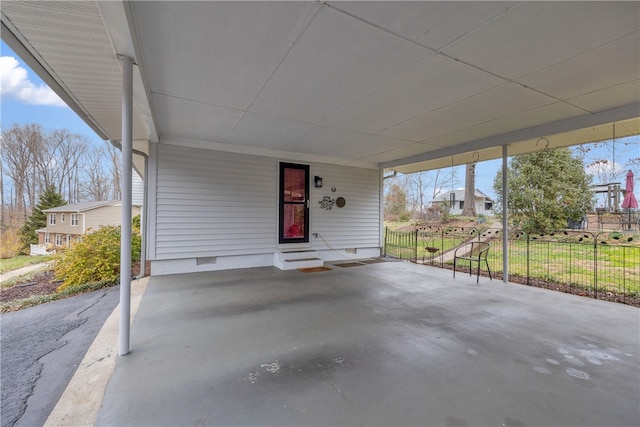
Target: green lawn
614,268
20,261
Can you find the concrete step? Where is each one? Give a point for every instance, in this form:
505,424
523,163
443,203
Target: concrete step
291,260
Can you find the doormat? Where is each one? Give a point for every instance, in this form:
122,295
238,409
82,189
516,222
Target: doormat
313,269
349,264
373,261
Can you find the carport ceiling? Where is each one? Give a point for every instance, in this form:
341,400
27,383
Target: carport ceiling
402,85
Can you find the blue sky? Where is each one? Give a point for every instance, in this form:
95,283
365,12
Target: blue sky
25,98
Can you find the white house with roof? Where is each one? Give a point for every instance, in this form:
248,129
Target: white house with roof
456,201
263,129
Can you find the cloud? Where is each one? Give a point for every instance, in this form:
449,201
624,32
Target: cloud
15,83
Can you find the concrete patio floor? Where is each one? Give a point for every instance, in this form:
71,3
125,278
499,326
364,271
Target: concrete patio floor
393,344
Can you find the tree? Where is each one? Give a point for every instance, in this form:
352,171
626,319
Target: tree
98,185
38,219
18,145
469,191
547,189
395,204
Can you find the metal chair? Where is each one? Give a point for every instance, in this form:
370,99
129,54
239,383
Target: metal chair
472,252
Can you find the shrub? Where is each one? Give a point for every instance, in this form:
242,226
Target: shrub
9,243
94,258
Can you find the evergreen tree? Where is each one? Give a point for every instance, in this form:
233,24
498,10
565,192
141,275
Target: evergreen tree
38,219
547,189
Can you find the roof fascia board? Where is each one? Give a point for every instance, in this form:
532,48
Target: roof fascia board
610,116
27,53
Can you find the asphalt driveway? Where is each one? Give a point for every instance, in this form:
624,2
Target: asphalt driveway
41,348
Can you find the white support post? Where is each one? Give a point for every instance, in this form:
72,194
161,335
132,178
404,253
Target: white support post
505,218
125,236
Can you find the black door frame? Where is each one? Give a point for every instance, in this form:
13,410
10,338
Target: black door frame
281,203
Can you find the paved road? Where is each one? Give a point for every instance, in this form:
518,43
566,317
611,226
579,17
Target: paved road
41,348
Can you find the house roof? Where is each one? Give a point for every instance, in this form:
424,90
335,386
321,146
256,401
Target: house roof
401,85
82,206
459,191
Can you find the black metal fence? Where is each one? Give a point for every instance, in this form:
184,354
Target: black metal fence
579,261
401,244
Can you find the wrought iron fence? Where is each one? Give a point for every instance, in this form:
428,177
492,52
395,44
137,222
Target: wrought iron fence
401,244
579,261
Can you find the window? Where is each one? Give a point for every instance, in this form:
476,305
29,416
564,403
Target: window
47,238
61,217
488,206
58,239
74,219
68,240
461,204
52,219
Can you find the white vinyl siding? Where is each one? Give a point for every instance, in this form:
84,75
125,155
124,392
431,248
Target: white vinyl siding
357,224
212,203
137,189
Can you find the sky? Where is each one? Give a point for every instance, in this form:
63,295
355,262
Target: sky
25,98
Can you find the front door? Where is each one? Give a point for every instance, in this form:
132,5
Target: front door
294,203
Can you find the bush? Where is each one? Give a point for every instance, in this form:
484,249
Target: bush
9,243
94,258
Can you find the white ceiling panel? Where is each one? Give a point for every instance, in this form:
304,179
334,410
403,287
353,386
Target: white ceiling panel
272,132
322,139
389,84
511,123
406,151
506,99
194,120
611,97
432,24
535,35
335,62
221,56
590,70
433,84
367,146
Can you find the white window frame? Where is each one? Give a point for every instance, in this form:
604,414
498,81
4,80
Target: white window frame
68,240
52,219
74,219
62,217
47,238
58,239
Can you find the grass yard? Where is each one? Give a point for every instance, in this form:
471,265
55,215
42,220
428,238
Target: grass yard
10,264
614,268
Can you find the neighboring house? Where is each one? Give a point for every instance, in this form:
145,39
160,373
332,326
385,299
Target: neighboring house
484,204
70,222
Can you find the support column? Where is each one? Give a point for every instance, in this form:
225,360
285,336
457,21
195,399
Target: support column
505,218
125,236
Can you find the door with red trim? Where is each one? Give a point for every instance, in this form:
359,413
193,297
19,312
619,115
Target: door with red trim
294,203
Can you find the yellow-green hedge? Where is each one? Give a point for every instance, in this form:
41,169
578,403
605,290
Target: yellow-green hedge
96,257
